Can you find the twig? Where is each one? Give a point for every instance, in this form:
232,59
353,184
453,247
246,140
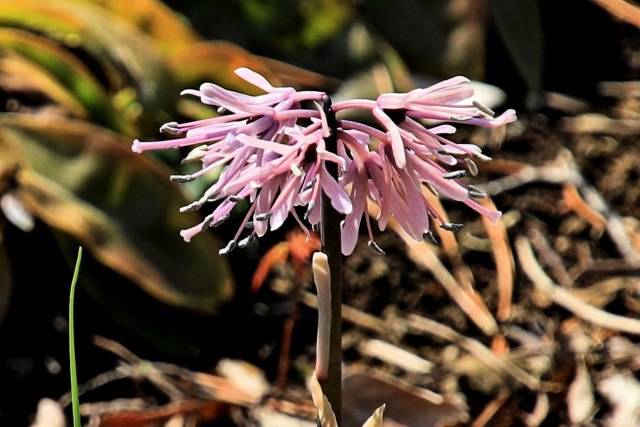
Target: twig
503,257
562,297
550,258
466,297
564,171
623,10
490,410
476,348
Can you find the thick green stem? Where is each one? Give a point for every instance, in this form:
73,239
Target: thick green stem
332,247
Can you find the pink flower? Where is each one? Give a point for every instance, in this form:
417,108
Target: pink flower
274,155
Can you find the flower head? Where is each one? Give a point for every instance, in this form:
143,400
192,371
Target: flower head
274,155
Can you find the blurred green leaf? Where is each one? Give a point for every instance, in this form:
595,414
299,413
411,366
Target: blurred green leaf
66,69
119,52
86,182
154,18
520,26
19,75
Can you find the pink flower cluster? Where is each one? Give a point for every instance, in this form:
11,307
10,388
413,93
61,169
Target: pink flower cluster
273,151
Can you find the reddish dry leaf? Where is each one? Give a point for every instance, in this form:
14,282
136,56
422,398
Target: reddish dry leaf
575,202
201,411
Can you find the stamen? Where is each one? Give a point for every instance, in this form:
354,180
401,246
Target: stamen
254,185
296,170
449,153
473,168
249,225
428,235
309,209
460,118
374,246
488,111
210,223
455,174
246,241
235,199
181,178
263,216
172,128
195,155
230,246
309,185
475,193
432,189
452,226
191,207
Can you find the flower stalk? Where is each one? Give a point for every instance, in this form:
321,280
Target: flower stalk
331,241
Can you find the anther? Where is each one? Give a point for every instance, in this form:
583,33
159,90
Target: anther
209,221
171,128
230,246
191,207
195,155
452,226
181,178
475,193
374,246
296,170
455,174
428,236
488,111
473,168
263,216
244,242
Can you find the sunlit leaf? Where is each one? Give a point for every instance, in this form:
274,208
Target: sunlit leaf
154,18
86,182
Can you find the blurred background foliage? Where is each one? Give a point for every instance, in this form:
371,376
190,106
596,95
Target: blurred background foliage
79,79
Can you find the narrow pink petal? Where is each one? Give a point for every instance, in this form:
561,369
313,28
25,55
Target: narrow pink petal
397,145
352,221
284,203
276,147
447,187
254,78
339,198
489,213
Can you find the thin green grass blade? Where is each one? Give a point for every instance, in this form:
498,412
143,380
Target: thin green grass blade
72,348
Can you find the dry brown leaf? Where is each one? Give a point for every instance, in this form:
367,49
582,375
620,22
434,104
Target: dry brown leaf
363,392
